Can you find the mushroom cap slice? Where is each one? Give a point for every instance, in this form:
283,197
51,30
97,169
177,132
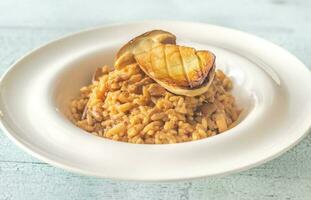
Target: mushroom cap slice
140,44
180,70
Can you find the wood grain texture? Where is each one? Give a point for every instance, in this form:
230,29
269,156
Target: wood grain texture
31,23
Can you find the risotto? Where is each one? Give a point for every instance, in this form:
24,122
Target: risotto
127,105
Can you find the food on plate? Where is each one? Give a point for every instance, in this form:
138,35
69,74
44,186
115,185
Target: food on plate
140,44
139,100
180,70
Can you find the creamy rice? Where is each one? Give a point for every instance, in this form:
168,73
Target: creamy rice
126,105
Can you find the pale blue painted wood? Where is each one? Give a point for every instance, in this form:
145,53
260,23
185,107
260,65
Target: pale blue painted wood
25,25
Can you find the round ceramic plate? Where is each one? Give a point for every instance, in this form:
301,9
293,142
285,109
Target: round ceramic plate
271,85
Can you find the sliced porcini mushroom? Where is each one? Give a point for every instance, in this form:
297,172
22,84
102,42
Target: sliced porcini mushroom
140,44
180,70
98,73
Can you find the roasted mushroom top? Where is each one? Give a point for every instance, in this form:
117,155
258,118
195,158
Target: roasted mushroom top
179,69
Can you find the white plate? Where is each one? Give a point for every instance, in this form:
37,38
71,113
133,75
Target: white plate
271,84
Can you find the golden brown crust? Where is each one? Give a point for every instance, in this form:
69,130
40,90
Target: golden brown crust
141,43
181,70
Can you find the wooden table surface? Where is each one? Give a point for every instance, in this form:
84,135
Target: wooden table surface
25,25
